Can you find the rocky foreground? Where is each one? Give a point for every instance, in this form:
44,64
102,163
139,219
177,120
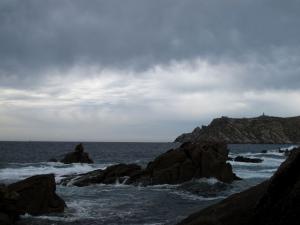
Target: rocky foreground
259,130
35,196
189,161
273,202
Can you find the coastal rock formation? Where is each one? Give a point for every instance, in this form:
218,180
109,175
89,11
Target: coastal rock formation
78,156
273,202
247,160
189,161
35,195
260,130
112,174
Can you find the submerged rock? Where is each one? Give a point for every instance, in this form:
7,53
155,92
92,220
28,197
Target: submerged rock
77,156
205,187
189,161
273,202
247,160
53,160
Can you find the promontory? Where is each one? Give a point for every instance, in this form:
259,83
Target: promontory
259,130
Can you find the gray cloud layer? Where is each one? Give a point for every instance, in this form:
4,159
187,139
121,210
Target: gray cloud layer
144,63
38,35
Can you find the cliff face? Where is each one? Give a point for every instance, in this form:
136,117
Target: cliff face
259,130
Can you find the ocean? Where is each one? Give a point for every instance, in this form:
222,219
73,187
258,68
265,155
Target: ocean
125,204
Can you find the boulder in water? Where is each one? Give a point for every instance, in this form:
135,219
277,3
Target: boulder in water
189,161
36,195
77,156
247,160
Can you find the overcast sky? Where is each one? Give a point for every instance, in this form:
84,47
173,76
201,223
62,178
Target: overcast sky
143,70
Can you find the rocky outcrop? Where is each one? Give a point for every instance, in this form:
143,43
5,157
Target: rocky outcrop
112,174
259,130
189,161
35,195
273,202
78,156
247,160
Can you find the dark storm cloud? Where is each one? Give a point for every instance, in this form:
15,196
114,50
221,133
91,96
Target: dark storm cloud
38,36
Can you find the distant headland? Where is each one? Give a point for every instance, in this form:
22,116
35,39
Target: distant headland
258,130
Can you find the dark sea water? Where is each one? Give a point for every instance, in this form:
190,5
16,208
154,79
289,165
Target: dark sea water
125,204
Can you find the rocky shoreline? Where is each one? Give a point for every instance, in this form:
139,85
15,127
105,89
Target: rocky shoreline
189,161
280,194
273,202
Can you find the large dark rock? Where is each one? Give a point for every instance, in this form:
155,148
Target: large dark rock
36,195
258,130
77,156
189,161
112,174
247,160
273,202
280,205
9,213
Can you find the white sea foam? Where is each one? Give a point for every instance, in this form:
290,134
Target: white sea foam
247,174
267,162
59,169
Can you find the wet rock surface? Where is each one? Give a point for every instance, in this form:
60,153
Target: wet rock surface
273,202
189,161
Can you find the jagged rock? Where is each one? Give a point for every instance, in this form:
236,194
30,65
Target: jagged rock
280,205
190,160
36,195
78,156
259,130
110,175
273,202
247,160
